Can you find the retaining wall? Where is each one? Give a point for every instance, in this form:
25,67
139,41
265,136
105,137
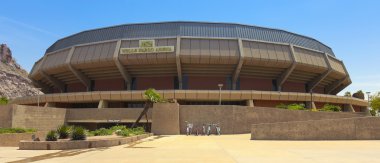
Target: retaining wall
358,128
238,119
5,116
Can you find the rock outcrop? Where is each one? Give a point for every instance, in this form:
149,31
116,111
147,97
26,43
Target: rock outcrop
14,81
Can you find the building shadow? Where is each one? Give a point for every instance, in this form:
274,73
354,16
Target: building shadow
63,153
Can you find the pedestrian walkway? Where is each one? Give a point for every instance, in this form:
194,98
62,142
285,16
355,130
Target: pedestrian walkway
225,148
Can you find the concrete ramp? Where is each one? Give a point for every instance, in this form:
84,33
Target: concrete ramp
357,128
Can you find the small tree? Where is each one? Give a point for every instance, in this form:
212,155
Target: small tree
151,97
3,101
375,103
359,94
347,94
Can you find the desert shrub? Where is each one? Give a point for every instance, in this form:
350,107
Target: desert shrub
3,100
125,132
282,106
51,136
15,130
137,131
296,106
63,132
331,108
118,127
102,132
78,133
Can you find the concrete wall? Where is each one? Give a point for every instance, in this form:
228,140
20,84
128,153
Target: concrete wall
5,116
159,83
105,114
165,119
12,140
42,118
238,119
359,128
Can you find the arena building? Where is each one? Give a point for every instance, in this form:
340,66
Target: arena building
189,62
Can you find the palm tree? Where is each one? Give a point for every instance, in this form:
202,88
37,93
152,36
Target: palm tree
151,97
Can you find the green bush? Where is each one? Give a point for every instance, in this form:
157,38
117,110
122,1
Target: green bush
138,131
78,133
292,106
102,132
3,101
15,130
296,106
282,106
331,108
51,136
63,131
118,127
373,112
125,132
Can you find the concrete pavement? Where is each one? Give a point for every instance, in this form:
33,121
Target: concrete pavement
225,148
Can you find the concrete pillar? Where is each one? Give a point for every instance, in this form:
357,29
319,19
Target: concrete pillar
103,104
348,108
165,119
310,105
50,104
250,103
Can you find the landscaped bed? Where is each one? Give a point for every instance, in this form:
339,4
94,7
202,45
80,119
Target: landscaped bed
10,137
92,142
75,137
16,130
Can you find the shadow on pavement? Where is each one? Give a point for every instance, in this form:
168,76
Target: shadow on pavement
132,145
64,153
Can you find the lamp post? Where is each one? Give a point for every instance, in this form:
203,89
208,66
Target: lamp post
38,97
311,99
220,93
368,93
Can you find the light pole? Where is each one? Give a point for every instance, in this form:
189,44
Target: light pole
368,93
220,93
311,100
38,97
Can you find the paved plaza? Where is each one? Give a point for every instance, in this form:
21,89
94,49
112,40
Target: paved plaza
225,148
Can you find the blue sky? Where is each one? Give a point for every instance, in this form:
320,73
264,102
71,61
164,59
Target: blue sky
351,28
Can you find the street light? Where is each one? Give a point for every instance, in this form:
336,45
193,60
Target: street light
368,93
38,97
220,93
311,99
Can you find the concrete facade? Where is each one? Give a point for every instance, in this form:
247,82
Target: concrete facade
5,116
238,59
166,119
42,118
238,119
359,128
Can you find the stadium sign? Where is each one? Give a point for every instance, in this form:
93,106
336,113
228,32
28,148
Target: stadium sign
147,46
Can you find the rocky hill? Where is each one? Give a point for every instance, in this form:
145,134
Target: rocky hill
14,80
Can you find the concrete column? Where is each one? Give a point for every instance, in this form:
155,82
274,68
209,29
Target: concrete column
165,119
348,108
178,62
250,103
310,105
50,104
103,104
